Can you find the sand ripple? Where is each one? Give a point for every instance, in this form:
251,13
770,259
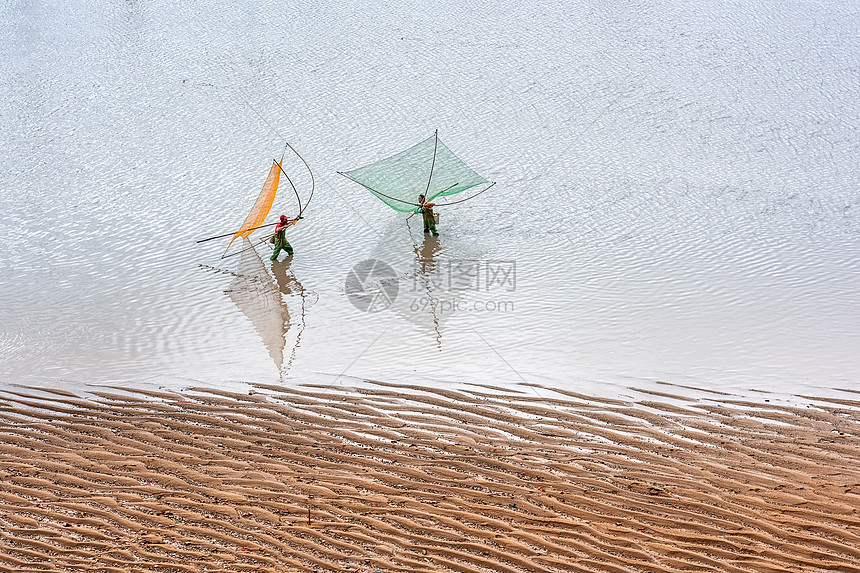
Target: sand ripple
395,478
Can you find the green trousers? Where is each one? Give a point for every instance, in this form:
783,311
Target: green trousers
429,222
281,246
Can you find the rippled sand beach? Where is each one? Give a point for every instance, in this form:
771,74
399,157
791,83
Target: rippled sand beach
636,353
386,477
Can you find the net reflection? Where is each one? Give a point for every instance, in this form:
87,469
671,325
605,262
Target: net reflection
260,297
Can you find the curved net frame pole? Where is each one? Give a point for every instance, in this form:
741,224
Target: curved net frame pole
296,191
467,198
433,164
372,190
313,182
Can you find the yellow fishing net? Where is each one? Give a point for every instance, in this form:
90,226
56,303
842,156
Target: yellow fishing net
263,204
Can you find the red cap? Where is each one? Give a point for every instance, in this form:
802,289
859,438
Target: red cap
283,217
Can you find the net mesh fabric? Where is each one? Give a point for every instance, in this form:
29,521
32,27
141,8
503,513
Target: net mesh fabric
404,175
262,205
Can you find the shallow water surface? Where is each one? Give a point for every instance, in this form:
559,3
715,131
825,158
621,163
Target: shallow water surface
678,194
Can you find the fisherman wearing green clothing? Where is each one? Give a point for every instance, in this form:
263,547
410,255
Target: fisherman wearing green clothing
426,210
280,238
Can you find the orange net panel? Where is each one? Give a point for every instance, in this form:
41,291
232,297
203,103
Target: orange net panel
263,204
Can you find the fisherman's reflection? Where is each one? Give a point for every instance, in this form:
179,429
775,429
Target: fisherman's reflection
287,281
288,284
428,281
256,294
426,255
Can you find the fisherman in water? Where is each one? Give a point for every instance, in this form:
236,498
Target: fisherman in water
426,210
280,238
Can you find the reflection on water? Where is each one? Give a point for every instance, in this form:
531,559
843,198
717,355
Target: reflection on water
424,284
434,280
261,300
290,286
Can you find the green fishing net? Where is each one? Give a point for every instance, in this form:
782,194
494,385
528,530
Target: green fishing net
404,175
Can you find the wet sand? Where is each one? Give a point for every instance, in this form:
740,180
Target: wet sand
397,478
